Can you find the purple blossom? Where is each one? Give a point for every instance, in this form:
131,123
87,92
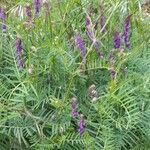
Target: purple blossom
89,31
74,107
47,10
20,62
18,45
116,40
37,7
19,59
102,23
91,36
96,45
81,125
3,18
126,31
81,46
29,13
2,14
113,73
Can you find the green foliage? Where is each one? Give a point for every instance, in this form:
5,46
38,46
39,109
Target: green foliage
35,108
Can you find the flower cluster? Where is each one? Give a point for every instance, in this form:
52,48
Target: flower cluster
74,112
47,10
126,31
74,107
19,49
37,7
81,46
81,125
117,40
92,93
3,18
90,34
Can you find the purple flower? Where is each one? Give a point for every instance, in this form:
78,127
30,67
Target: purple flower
3,18
81,46
47,10
29,13
18,45
81,125
89,31
37,7
96,45
102,23
20,62
126,31
91,36
113,73
116,40
19,59
74,107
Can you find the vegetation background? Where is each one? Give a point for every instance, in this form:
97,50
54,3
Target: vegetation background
35,102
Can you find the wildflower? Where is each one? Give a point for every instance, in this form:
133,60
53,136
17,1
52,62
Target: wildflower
19,60
81,46
102,23
30,70
33,49
96,45
81,125
74,107
28,12
92,93
113,73
111,59
47,9
37,7
20,63
116,40
18,45
3,18
91,36
126,31
89,31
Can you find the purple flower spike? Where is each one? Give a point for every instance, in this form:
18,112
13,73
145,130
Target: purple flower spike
81,125
3,18
19,60
37,7
117,40
126,31
18,45
20,63
74,107
29,13
81,46
102,23
89,31
47,10
96,45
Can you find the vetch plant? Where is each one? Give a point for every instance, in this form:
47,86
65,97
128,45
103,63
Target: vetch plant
127,31
37,7
81,125
3,18
74,111
45,101
117,40
19,50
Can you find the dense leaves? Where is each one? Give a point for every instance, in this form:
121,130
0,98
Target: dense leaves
57,100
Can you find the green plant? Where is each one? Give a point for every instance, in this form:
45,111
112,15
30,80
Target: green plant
35,102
